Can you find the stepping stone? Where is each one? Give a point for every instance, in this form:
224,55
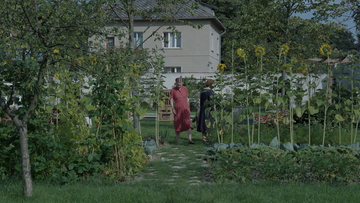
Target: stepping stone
178,167
165,159
195,177
170,180
175,176
161,153
200,154
194,181
183,157
205,165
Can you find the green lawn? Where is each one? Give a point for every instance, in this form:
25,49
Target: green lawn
152,191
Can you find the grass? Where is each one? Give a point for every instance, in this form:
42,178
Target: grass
152,191
155,187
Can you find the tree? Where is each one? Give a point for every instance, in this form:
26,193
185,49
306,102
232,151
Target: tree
164,11
354,7
35,35
272,23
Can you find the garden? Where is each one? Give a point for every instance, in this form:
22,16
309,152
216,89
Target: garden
71,109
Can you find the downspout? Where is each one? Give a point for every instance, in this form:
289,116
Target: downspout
220,44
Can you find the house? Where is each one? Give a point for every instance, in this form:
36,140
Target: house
189,52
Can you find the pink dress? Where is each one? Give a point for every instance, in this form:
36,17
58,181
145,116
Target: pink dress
182,117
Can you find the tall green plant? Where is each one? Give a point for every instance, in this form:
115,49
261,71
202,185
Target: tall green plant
259,52
326,51
242,54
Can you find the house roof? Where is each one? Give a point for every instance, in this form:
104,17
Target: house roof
180,11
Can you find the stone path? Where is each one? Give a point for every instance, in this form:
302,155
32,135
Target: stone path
173,164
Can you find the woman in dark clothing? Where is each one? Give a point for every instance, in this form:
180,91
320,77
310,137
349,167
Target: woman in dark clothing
205,95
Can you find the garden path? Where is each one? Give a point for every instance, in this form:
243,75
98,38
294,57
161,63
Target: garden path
176,163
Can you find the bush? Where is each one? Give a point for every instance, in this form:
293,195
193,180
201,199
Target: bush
264,163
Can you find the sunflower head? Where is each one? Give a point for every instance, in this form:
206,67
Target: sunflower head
56,76
293,60
284,49
93,60
325,49
260,51
56,51
241,52
221,67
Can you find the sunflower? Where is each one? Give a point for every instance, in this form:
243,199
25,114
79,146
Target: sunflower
56,76
56,51
284,49
260,51
241,52
221,67
293,60
93,60
325,49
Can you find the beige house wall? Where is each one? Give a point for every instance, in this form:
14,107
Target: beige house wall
200,48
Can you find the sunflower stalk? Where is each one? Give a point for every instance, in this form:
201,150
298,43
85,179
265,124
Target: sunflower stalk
241,53
326,51
260,51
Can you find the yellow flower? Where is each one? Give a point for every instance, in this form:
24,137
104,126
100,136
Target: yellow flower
80,60
221,67
56,76
241,52
56,51
325,49
284,49
93,60
260,51
220,132
293,60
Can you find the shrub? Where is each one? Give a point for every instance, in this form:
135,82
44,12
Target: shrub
263,163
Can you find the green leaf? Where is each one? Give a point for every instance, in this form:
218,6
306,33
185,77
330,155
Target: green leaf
357,112
257,100
313,110
71,166
299,111
339,118
90,157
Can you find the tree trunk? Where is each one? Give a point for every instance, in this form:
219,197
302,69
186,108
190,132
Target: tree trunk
134,93
25,161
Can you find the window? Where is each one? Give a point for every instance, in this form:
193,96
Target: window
172,40
110,42
138,39
172,69
212,42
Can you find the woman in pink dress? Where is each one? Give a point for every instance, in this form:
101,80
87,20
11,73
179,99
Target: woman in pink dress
181,110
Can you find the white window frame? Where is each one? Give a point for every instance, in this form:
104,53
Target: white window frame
138,39
171,40
108,44
168,69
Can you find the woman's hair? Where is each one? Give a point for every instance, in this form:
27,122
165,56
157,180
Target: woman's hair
180,79
209,83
